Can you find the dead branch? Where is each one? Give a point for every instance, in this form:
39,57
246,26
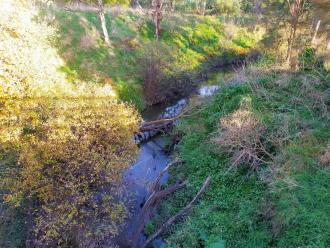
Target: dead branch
153,201
155,127
156,184
149,205
156,122
161,123
179,215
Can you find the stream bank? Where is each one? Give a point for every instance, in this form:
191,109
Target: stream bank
153,159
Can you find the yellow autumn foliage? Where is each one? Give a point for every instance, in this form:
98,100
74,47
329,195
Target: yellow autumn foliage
71,142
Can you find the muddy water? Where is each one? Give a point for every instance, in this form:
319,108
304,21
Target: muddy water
140,176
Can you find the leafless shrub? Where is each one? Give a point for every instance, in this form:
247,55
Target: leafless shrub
241,135
152,76
116,10
277,227
280,134
241,74
283,81
248,74
318,102
310,97
154,61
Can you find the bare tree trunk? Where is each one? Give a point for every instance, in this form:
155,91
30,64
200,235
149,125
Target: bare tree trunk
203,8
197,6
200,7
103,22
257,5
291,41
316,30
157,15
296,9
136,4
172,5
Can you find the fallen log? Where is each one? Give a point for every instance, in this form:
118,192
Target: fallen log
156,127
149,205
160,124
157,122
153,201
156,185
179,215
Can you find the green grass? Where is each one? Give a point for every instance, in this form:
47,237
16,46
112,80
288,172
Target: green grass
288,206
189,41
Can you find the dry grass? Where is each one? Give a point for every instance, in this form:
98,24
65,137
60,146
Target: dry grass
88,41
311,98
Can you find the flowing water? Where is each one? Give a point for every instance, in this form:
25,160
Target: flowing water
151,161
139,177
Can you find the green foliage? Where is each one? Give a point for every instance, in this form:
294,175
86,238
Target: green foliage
266,59
149,228
63,145
186,44
223,7
105,2
243,42
285,202
308,59
131,94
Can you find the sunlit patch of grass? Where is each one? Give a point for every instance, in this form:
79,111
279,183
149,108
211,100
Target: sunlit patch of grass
193,39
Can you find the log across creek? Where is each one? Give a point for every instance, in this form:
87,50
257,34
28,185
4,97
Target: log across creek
149,129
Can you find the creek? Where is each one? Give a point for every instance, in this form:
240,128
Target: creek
150,162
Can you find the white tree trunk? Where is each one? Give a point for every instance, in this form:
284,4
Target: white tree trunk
203,8
103,22
316,30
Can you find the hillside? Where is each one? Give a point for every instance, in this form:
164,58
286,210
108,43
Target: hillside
191,46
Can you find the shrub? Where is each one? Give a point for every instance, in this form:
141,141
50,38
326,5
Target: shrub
130,93
154,62
68,144
241,135
308,60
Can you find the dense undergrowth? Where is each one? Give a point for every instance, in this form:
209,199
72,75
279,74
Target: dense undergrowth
264,139
63,146
189,47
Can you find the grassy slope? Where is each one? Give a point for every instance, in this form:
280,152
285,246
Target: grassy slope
288,206
189,41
